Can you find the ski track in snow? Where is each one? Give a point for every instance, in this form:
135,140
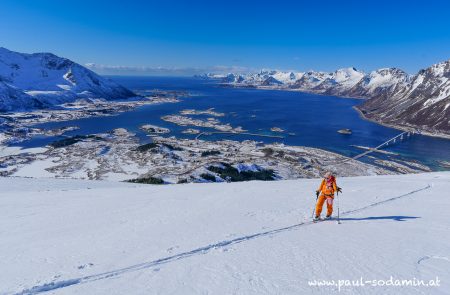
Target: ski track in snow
202,250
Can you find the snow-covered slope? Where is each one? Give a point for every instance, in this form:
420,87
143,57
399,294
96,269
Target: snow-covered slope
310,80
382,82
262,78
340,82
336,83
50,80
87,237
346,82
12,98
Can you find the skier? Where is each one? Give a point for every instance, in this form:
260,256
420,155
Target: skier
326,192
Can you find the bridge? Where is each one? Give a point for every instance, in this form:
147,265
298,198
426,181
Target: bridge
390,141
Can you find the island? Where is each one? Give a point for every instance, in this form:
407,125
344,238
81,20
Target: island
345,131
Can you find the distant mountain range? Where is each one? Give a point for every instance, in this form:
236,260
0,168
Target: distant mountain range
39,80
393,97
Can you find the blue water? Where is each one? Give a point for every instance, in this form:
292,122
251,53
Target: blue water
313,118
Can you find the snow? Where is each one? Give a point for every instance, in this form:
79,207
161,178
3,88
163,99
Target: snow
36,169
28,81
444,92
3,137
385,78
16,150
287,77
417,81
348,77
248,167
439,69
12,98
99,237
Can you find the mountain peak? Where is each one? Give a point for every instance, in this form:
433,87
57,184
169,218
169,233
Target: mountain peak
50,79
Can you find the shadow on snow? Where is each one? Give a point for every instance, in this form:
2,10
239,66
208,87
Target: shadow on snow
396,218
203,250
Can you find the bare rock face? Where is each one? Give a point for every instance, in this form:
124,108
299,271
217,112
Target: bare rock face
43,79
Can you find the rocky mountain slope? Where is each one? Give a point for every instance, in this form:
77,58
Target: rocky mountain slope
423,101
40,80
393,97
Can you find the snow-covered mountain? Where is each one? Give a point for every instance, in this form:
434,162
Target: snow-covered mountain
66,236
340,82
43,79
422,100
12,98
346,82
393,97
309,80
382,82
262,78
337,82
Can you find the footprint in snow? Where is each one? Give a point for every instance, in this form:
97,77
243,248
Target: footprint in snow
83,266
170,250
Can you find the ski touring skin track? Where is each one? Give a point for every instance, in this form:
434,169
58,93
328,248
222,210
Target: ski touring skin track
55,285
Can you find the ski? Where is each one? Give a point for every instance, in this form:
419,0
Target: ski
323,219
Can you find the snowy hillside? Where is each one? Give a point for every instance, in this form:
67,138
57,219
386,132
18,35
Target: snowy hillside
89,237
43,79
12,98
339,82
382,82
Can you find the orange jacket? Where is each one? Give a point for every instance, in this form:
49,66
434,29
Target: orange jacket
328,187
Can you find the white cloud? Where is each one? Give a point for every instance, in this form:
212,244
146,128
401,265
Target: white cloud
163,71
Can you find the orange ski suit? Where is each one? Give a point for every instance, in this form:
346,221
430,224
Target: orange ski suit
326,190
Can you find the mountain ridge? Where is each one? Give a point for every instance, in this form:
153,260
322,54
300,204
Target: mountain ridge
40,80
393,97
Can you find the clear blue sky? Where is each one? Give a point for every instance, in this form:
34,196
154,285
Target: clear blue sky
297,35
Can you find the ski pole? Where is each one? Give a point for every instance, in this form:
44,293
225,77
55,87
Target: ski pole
314,208
338,217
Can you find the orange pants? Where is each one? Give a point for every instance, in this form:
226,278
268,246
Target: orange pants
319,205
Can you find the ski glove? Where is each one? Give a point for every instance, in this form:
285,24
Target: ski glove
317,194
339,190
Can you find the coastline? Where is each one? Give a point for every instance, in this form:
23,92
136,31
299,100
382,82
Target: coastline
274,88
117,155
401,127
395,126
20,124
169,154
